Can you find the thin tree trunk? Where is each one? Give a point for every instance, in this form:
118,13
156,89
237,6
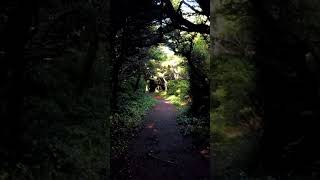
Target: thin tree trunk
165,84
136,86
91,55
117,67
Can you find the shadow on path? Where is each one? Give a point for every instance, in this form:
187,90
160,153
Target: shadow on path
160,152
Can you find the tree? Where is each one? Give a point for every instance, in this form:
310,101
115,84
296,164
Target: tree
52,50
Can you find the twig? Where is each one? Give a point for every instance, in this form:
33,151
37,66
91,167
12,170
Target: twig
166,161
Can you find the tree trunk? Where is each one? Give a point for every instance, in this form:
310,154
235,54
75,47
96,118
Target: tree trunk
91,54
165,84
136,86
116,68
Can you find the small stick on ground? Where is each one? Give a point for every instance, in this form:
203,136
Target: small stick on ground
166,161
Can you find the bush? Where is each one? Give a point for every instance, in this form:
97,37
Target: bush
231,105
178,88
234,82
64,131
178,92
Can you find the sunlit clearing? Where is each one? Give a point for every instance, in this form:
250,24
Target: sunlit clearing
166,50
169,75
176,100
172,61
168,60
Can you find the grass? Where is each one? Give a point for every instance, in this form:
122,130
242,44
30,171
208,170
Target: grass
189,124
178,101
125,123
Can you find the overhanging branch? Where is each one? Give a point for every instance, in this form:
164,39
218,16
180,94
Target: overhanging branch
181,23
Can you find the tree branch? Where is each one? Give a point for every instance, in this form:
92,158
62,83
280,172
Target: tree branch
193,9
179,21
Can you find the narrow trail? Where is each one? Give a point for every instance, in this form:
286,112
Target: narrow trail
160,152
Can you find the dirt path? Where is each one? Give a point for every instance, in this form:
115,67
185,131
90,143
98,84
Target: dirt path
160,152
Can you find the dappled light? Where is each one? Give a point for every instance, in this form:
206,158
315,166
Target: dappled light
82,80
152,90
150,126
176,100
190,10
172,70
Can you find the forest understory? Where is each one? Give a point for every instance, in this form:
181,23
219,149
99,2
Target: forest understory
79,80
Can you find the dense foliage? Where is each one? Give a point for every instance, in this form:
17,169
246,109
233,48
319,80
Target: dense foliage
173,54
127,121
71,70
54,90
263,92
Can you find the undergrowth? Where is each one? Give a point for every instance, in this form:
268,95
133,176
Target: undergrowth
234,122
190,124
64,131
177,93
195,126
127,121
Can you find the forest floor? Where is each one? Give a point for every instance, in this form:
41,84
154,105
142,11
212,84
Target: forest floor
161,152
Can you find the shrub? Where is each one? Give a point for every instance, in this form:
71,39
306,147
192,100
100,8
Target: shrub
178,88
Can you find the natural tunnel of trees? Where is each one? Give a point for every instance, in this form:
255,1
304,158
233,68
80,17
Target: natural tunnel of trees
160,47
74,76
77,76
